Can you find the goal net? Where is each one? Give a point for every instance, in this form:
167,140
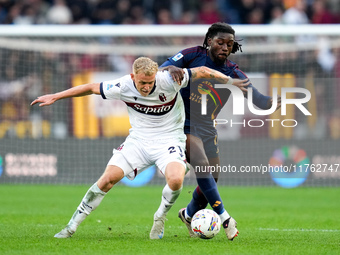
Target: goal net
72,141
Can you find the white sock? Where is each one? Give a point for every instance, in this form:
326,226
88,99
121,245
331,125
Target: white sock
186,215
169,197
224,216
90,202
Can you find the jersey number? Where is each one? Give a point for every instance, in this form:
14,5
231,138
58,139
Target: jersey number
172,149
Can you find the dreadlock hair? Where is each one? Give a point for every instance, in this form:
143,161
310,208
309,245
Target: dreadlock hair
221,27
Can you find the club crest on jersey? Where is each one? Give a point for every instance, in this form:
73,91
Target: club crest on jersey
177,57
162,97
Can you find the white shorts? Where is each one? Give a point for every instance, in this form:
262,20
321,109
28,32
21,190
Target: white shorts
134,155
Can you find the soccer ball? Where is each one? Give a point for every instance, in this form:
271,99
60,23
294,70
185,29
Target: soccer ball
206,223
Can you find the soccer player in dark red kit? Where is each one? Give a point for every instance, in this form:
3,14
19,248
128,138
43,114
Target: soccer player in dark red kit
202,146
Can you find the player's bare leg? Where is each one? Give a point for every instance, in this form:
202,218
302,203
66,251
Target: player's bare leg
92,199
174,175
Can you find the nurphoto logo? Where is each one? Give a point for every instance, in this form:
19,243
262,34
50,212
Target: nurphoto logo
238,104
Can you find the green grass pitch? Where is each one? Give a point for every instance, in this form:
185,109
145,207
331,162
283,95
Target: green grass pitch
271,220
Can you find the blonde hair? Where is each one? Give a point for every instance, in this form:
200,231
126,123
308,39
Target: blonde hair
145,65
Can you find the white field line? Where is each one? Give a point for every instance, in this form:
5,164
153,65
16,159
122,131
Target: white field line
299,230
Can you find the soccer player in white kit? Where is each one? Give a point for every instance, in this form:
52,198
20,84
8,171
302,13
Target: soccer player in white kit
156,113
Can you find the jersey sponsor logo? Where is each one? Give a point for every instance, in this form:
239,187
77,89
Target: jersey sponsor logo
118,85
162,97
205,89
177,57
153,109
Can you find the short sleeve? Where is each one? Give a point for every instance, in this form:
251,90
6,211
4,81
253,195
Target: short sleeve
184,83
112,89
186,78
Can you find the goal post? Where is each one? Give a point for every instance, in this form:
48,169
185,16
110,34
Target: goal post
71,141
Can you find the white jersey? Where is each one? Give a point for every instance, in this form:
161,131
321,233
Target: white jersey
160,115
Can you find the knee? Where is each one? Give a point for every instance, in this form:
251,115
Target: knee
105,183
174,174
175,185
111,176
175,182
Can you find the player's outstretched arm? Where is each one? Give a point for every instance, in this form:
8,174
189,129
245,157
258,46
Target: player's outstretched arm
78,91
205,72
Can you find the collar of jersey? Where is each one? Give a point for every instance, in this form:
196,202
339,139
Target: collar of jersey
153,89
213,64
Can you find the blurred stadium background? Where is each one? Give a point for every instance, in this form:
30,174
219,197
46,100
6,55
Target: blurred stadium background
71,142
